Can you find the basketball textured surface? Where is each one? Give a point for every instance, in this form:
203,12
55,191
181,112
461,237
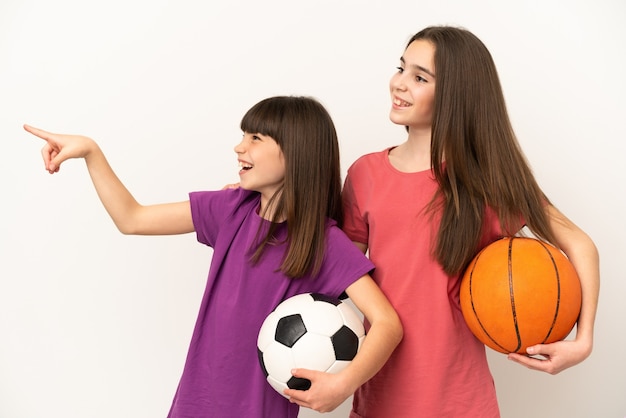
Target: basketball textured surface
518,292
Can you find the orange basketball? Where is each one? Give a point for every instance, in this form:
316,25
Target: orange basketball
518,292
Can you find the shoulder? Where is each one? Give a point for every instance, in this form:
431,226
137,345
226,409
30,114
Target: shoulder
367,160
227,197
222,201
341,249
212,211
367,170
336,238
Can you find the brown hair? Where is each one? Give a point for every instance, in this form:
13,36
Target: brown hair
311,191
484,164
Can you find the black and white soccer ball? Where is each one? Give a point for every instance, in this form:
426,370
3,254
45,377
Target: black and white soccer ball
310,331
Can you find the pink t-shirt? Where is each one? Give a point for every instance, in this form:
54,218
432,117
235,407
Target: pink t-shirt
439,369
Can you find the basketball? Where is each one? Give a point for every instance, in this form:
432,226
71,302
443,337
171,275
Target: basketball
518,292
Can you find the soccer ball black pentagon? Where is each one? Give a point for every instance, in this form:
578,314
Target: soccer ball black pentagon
310,331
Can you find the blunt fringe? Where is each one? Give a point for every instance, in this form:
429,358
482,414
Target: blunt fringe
311,191
484,164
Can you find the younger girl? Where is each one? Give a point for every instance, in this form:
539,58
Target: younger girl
274,237
424,208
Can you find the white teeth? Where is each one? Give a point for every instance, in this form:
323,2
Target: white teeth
244,165
402,103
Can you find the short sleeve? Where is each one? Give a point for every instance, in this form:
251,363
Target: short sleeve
343,262
210,210
355,223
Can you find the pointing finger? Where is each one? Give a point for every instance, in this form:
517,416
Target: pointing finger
38,132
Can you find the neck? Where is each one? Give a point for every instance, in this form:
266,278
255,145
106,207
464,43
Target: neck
413,155
419,140
267,209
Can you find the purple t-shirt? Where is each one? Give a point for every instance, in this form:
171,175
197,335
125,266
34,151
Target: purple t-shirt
222,376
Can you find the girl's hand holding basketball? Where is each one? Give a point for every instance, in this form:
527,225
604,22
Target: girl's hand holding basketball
60,147
558,356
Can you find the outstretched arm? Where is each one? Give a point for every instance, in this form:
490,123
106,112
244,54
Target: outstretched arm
128,215
328,391
582,252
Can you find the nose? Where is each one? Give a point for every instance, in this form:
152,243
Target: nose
239,148
397,82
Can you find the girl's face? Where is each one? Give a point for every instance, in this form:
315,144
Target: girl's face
261,163
412,88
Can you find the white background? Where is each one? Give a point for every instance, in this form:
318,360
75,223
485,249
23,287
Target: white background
97,324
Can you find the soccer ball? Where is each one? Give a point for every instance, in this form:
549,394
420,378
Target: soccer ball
310,331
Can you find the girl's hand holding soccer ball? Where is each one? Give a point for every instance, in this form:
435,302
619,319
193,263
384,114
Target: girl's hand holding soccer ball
327,391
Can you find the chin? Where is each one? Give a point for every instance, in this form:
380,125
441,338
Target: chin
397,119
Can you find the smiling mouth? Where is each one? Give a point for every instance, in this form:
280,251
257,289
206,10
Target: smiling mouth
400,102
244,166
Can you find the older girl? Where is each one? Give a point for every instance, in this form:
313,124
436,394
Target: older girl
424,208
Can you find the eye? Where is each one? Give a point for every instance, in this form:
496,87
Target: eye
400,69
256,138
420,79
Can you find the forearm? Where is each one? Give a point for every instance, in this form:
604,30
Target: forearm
117,200
584,256
129,216
380,342
384,335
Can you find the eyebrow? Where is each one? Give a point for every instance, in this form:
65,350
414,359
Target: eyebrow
419,67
